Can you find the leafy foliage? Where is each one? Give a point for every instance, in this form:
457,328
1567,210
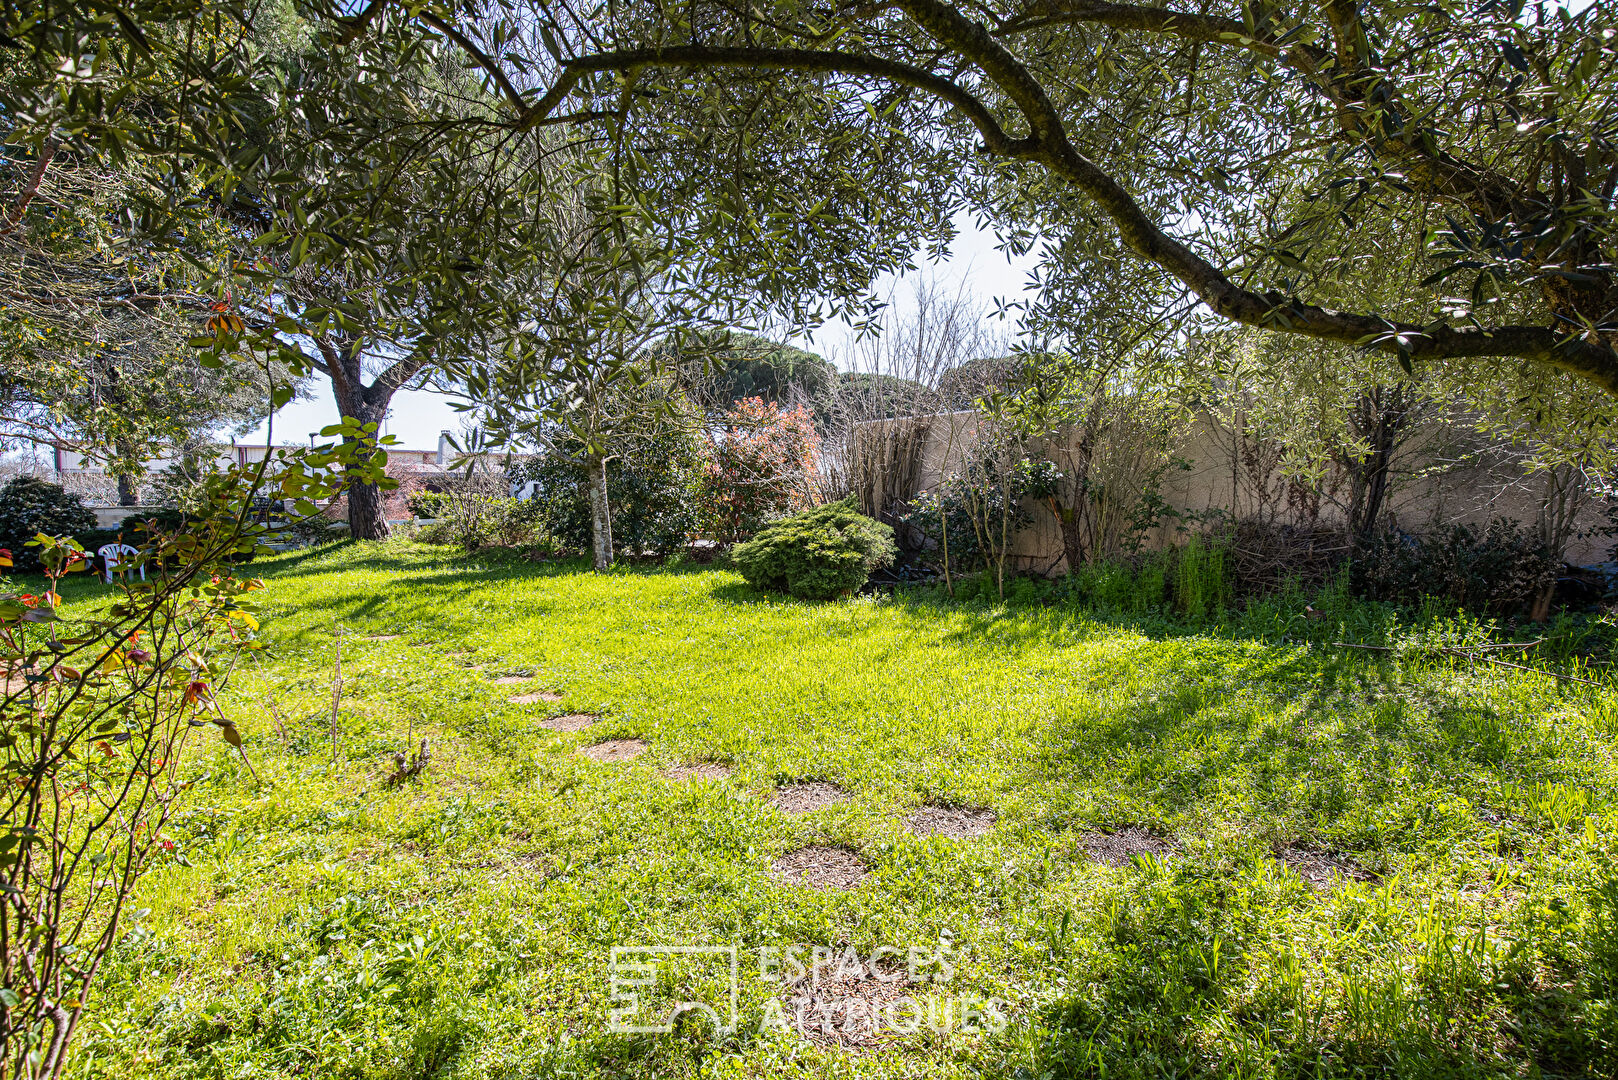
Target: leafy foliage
96,716
975,512
30,506
1201,577
473,520
759,465
1502,568
652,490
737,366
816,554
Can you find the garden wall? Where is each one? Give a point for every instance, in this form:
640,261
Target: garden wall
1227,477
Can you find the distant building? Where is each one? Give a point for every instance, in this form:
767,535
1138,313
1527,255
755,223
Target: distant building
77,472
68,462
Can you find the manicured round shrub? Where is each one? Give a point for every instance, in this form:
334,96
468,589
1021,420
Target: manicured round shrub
816,554
29,506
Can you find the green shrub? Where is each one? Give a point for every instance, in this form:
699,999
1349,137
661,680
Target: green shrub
1134,585
29,506
817,554
653,491
428,504
1500,569
474,521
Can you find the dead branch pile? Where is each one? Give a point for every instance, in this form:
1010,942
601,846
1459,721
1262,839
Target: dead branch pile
1263,555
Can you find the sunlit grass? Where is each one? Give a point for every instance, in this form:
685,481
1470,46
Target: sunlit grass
322,924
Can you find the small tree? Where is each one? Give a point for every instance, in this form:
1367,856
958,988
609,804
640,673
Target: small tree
760,464
653,491
98,728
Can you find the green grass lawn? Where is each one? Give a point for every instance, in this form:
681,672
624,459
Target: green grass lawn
320,923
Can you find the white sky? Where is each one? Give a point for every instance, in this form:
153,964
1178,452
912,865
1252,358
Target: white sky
417,417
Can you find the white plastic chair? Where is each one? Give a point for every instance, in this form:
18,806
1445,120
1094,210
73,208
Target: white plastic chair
112,555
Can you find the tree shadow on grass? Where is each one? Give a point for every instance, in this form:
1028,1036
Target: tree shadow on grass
739,592
452,562
1189,978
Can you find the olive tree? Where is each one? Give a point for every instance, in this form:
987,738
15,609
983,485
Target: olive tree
1177,136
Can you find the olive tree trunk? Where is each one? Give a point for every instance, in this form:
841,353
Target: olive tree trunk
600,513
369,404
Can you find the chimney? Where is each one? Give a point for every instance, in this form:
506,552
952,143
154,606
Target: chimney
444,449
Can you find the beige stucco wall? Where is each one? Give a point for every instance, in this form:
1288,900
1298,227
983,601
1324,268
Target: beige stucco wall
1429,497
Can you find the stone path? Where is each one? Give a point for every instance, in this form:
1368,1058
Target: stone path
614,750
569,722
955,822
807,795
820,866
700,770
1120,847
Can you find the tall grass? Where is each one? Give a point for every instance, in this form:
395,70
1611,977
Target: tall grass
1201,581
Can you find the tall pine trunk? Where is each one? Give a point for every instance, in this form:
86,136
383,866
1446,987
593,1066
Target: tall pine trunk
600,513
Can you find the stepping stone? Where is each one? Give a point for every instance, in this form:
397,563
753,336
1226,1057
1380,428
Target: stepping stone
533,698
614,750
569,721
511,680
807,795
1118,848
849,1003
700,770
955,822
1323,869
820,866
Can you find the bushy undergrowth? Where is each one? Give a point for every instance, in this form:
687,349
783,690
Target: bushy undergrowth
652,490
1502,568
816,554
474,521
1496,572
29,506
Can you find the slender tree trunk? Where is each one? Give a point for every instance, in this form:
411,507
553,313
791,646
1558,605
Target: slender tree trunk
124,455
600,513
1382,416
1072,535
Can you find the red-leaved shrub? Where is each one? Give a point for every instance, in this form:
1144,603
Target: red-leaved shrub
759,465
